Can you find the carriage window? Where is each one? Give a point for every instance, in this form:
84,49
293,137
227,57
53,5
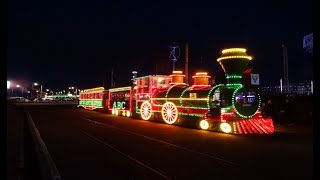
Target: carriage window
216,99
154,82
161,81
245,98
193,95
144,97
222,98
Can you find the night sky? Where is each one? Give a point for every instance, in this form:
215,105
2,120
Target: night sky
77,42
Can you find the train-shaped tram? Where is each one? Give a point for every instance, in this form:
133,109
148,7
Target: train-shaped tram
233,107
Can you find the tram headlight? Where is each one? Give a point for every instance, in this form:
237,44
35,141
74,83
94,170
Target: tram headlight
225,127
204,124
128,113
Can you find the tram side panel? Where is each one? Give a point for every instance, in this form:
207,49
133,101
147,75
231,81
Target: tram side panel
91,99
119,101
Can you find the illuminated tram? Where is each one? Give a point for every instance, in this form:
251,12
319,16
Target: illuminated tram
233,107
94,98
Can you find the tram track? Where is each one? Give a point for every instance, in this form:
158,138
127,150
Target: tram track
126,155
166,143
171,148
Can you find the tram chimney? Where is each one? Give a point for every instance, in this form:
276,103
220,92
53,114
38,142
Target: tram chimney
177,77
233,62
201,79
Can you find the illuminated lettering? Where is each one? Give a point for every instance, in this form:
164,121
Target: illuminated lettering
119,105
91,103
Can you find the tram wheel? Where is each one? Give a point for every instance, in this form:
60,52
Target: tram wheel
146,110
169,113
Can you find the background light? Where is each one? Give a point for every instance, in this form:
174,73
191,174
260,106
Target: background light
8,84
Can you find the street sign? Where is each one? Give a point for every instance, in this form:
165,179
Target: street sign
254,79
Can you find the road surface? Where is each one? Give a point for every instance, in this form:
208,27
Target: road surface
95,145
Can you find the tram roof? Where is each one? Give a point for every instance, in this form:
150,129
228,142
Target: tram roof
158,75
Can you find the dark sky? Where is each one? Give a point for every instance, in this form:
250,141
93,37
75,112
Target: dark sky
76,42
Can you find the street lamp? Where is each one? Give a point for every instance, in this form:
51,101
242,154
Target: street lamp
75,90
21,89
8,84
34,84
41,90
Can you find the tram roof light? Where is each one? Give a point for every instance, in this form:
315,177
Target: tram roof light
177,72
233,50
201,73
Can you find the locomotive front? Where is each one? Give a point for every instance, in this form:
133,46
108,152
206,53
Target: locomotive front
234,107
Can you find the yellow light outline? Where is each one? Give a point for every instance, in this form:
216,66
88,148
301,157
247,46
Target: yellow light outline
234,57
97,89
233,50
120,89
201,73
94,107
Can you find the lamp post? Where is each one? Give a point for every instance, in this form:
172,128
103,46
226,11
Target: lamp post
9,86
34,84
18,86
72,87
41,89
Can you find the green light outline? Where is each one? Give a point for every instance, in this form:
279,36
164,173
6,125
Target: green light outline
233,104
183,92
209,93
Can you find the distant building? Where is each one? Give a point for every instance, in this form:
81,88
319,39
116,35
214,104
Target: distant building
298,88
308,57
